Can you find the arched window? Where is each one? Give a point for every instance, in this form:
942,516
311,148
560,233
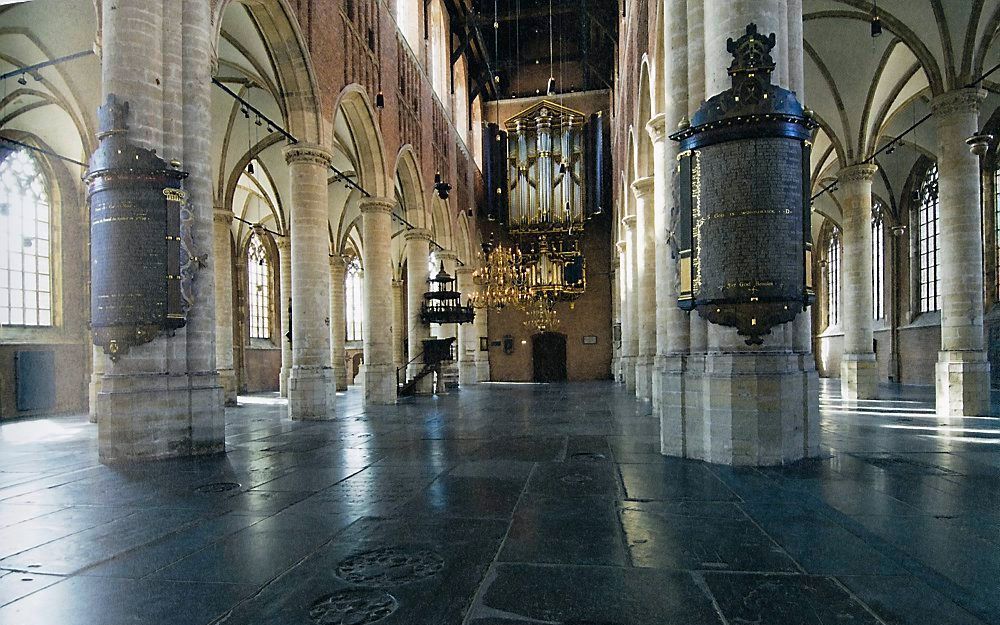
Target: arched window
833,279
259,288
878,261
355,302
440,52
25,235
928,229
408,22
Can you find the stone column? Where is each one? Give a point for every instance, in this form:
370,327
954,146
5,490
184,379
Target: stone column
481,326
417,254
468,342
222,250
963,372
284,245
398,325
664,156
616,318
645,284
310,388
742,405
858,373
163,398
622,280
631,300
338,321
380,374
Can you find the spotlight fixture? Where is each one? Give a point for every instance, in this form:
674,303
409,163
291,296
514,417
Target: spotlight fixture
441,187
876,22
551,88
562,167
21,80
379,100
250,167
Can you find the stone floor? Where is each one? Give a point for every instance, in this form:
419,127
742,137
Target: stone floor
504,505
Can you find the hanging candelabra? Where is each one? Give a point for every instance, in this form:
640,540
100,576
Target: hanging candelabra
541,315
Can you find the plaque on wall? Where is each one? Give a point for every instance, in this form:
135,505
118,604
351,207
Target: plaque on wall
744,229
590,340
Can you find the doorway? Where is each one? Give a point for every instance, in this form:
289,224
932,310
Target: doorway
548,357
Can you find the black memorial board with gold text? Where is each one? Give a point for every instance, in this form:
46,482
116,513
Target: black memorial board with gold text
744,231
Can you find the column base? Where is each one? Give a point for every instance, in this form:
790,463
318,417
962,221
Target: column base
746,409
858,376
155,416
616,368
227,377
656,386
94,390
483,370
449,376
963,384
644,377
340,376
380,385
310,394
467,373
628,372
283,382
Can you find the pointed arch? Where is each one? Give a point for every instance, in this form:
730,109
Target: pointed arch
354,109
279,29
643,143
411,187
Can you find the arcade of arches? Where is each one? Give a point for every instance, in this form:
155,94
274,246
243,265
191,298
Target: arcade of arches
285,453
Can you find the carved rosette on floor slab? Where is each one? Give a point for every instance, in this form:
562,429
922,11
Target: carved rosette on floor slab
745,241
141,260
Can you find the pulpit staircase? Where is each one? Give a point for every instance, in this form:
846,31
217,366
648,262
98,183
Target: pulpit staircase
436,352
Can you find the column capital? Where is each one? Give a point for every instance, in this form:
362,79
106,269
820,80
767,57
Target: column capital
376,205
657,128
417,234
445,255
308,153
397,283
283,243
642,187
464,271
629,222
621,246
338,261
864,172
958,101
222,215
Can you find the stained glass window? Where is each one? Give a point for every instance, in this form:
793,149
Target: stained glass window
833,279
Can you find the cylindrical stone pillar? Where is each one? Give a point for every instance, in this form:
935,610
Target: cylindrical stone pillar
858,374
963,372
222,252
98,367
417,256
284,245
468,343
310,388
338,321
625,355
645,280
380,374
398,325
632,299
163,398
664,299
481,325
